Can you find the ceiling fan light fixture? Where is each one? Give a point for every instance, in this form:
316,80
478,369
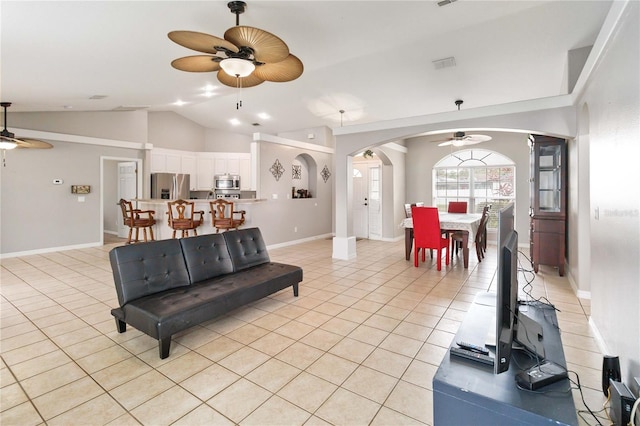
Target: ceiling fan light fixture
8,145
237,67
457,142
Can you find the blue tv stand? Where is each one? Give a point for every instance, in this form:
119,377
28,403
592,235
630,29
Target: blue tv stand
467,392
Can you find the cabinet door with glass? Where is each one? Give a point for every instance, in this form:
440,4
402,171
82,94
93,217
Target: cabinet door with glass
549,175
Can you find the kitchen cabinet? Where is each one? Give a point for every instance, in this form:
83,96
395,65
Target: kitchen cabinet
548,198
205,170
203,166
188,166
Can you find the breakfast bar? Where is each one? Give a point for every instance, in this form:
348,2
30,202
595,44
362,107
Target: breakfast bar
162,230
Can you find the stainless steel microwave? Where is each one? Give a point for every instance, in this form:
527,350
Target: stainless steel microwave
227,182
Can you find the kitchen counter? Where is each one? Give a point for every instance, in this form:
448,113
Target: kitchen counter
162,231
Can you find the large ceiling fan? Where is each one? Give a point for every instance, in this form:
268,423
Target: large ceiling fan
462,139
9,141
245,57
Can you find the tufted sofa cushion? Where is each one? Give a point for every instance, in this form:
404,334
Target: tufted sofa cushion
147,268
206,257
247,248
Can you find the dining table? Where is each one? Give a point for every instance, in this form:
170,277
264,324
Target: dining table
465,223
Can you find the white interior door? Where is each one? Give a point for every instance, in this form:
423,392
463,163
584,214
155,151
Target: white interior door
127,185
375,202
361,200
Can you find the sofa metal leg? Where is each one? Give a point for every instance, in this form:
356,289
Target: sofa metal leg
295,289
121,326
163,346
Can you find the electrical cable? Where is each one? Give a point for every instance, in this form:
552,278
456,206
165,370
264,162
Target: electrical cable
582,395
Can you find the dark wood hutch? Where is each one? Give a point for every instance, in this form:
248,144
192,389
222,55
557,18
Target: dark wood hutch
548,209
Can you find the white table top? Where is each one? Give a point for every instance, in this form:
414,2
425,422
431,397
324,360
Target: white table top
454,222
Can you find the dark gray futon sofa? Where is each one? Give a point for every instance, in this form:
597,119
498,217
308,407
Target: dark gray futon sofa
167,286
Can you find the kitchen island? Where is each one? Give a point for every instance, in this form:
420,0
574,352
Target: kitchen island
162,231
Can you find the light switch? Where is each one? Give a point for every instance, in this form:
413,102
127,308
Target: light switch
81,199
274,196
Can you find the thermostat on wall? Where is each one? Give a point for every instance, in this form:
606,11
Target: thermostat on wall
58,181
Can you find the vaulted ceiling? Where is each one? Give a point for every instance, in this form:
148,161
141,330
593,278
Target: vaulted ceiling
372,59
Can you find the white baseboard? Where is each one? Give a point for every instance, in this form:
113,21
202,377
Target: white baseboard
294,242
49,250
598,337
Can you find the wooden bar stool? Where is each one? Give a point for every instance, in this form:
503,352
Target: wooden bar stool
222,215
135,219
183,217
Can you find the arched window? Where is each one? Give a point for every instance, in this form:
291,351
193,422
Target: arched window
477,176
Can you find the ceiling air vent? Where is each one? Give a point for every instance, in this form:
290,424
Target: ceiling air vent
97,97
445,2
131,108
444,63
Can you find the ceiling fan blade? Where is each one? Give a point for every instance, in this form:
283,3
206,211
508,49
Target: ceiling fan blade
200,42
477,138
287,70
33,144
231,81
447,143
198,63
266,47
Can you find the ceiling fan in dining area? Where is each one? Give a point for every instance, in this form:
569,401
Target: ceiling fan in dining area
462,139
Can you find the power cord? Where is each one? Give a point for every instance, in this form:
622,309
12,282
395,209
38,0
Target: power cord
579,387
529,286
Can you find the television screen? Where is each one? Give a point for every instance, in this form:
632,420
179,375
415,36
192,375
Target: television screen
507,287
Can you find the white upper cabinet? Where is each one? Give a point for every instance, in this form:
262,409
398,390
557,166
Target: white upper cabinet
188,166
203,166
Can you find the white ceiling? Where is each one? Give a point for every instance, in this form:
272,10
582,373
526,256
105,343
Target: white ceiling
372,59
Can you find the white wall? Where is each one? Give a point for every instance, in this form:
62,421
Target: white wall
36,214
283,218
171,130
222,141
121,125
612,97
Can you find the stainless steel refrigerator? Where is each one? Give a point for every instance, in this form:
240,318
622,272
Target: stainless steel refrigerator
170,186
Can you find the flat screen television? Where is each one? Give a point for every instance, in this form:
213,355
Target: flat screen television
507,288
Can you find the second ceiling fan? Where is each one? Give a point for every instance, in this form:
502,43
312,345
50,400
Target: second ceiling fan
462,139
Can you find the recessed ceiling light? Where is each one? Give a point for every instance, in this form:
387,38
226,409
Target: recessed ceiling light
264,116
179,103
234,122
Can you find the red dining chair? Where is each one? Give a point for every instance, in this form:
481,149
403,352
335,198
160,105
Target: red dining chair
457,207
426,234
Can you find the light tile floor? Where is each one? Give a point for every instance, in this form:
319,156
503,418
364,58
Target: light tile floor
359,346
